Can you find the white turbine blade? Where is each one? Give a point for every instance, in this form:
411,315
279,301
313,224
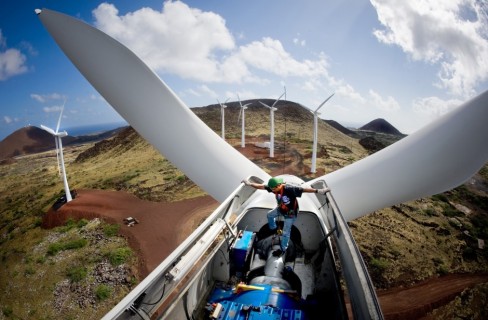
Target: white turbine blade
324,102
60,116
150,107
264,104
51,131
239,99
437,158
277,100
240,103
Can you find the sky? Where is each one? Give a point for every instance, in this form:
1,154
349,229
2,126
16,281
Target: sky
408,62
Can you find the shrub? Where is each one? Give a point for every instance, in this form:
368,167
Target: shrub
7,311
76,274
103,292
430,212
54,248
442,270
452,212
81,223
437,261
440,197
379,264
119,255
75,244
111,230
29,270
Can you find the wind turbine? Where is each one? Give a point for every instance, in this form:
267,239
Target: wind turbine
241,111
59,151
272,109
434,159
315,132
222,115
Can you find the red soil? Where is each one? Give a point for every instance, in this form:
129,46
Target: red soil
162,226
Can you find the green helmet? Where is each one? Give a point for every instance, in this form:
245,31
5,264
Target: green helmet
273,182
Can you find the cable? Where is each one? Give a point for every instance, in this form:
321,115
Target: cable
162,295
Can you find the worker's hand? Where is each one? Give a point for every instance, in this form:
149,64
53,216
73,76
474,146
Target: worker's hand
323,191
246,182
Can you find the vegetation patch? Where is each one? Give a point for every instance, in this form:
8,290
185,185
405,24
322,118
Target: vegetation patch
119,255
111,230
103,292
55,248
76,274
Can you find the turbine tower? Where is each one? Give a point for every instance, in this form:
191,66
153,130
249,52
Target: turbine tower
272,109
315,133
59,152
241,111
222,114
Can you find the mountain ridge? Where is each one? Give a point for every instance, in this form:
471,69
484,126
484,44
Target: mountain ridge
29,140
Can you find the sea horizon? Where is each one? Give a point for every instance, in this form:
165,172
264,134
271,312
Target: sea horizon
94,128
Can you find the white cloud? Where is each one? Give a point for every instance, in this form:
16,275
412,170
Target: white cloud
179,39
434,107
347,91
451,34
52,109
7,119
387,104
12,61
270,56
43,98
207,91
197,45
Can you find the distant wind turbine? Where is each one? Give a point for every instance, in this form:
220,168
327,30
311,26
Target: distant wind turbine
222,114
59,152
315,133
241,111
272,109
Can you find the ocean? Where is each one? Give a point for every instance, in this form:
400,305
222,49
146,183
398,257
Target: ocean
93,128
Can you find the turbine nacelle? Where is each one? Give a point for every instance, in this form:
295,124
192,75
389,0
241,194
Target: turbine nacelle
273,109
223,105
60,134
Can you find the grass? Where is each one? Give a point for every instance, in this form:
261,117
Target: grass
31,185
111,230
27,252
119,255
55,248
76,274
391,242
103,292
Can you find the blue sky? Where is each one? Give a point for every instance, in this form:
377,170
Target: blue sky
405,61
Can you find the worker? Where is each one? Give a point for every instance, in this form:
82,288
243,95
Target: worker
287,206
